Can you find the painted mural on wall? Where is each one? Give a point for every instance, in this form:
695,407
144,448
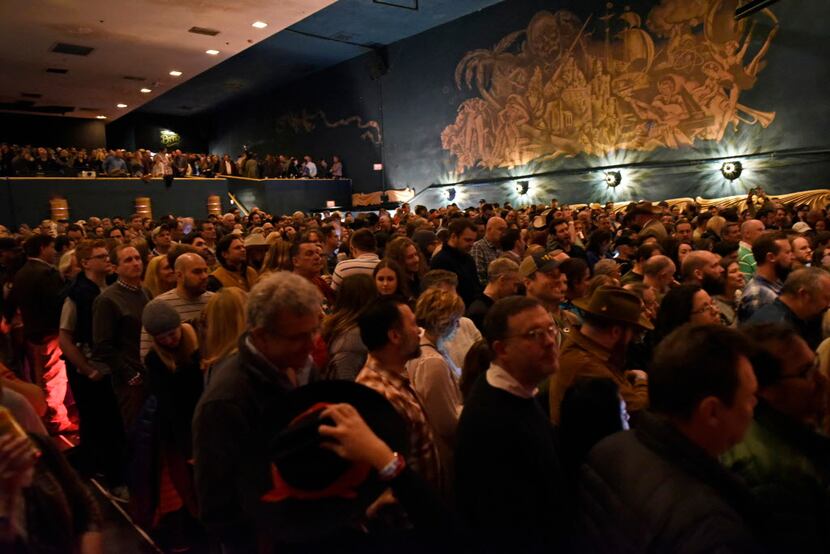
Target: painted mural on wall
564,86
306,122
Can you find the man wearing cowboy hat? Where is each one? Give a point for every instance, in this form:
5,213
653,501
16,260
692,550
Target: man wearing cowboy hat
647,217
612,316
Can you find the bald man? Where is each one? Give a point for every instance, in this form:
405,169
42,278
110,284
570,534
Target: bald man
658,273
703,268
190,296
488,249
751,229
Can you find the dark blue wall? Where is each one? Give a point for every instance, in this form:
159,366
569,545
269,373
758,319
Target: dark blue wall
418,98
26,200
51,131
143,130
263,123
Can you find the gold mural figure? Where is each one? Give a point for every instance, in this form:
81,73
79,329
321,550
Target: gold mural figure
305,122
564,86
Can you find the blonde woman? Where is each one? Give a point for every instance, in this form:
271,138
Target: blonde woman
715,226
68,265
223,322
159,276
434,375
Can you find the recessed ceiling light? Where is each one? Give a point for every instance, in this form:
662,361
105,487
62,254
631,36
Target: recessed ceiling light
146,91
120,105
175,73
212,52
100,117
259,24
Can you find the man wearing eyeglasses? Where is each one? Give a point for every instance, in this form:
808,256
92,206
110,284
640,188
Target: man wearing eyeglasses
509,478
782,458
612,317
100,426
239,409
804,297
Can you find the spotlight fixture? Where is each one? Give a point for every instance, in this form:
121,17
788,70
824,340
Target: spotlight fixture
176,73
731,170
145,91
522,187
451,194
212,52
120,105
100,117
613,178
259,24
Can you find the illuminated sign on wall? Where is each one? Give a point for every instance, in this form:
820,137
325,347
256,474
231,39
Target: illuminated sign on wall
170,138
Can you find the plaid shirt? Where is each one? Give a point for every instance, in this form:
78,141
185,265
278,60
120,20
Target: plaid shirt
397,388
483,253
757,293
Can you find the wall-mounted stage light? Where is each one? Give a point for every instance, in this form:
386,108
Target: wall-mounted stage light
522,187
451,194
613,178
731,170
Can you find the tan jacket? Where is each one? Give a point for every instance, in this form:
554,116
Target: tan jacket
582,357
232,279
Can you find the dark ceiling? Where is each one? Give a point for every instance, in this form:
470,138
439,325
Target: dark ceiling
335,34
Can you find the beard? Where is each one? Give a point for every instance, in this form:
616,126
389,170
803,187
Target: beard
713,285
781,271
415,352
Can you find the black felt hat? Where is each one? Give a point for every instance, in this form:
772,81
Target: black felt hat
314,491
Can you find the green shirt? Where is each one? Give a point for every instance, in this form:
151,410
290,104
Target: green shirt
746,261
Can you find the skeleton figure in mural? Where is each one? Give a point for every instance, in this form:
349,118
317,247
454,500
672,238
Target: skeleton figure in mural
564,86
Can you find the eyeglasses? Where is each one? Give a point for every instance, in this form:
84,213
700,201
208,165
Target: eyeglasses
99,257
807,372
708,307
536,334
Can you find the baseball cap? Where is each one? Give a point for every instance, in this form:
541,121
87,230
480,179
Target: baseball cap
802,227
538,262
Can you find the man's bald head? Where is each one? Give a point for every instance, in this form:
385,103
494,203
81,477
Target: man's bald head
751,229
656,264
191,275
188,260
698,264
496,227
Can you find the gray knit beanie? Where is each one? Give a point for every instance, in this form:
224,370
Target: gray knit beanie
159,317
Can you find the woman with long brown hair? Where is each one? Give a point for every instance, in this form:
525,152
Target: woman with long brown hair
347,353
278,258
405,252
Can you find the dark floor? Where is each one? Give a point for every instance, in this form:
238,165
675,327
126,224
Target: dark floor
121,536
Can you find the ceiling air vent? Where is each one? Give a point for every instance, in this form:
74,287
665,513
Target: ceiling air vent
134,78
203,31
71,49
58,70
31,95
89,109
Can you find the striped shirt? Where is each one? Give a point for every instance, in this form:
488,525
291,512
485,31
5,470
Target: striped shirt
746,261
365,263
188,310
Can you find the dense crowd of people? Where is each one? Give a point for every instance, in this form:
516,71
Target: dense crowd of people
494,379
28,161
